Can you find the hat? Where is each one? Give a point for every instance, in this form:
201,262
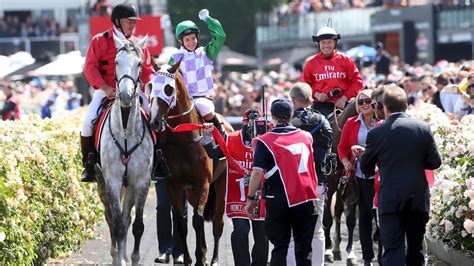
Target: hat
281,108
379,45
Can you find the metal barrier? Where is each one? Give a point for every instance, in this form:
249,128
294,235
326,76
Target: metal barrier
38,46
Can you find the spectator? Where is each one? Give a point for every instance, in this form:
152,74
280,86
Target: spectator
382,64
46,108
11,108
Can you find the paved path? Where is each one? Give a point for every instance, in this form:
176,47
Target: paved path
97,251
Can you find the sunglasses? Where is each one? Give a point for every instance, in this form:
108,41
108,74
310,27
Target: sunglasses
362,101
377,105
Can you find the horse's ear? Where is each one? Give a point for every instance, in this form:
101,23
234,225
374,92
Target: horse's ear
142,42
118,42
174,67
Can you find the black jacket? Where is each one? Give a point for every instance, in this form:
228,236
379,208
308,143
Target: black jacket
382,66
402,147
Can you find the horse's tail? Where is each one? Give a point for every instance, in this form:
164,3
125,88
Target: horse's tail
210,209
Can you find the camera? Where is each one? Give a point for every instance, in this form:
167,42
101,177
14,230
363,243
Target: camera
246,180
258,196
260,126
329,165
257,125
334,92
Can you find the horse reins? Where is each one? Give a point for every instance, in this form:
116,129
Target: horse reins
125,154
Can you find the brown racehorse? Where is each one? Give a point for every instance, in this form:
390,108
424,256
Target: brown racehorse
192,170
342,195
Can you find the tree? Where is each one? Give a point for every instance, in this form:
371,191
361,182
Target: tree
237,18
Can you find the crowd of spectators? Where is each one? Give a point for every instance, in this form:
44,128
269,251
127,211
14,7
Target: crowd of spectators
282,13
450,86
44,97
13,26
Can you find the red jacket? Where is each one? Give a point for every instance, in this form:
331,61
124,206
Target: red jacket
11,114
99,67
350,131
324,75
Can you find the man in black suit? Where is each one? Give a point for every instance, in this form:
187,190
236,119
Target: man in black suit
403,148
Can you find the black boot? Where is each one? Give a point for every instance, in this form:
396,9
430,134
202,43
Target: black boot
160,168
88,159
217,124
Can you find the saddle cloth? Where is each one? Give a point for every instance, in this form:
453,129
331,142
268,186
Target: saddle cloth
101,123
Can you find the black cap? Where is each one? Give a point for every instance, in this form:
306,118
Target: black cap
124,10
379,45
281,108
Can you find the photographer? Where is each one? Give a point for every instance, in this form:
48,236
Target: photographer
286,155
240,151
312,121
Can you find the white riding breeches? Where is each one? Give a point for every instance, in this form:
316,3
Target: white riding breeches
94,105
204,106
318,243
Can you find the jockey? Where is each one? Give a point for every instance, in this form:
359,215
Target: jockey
333,77
99,70
239,146
196,66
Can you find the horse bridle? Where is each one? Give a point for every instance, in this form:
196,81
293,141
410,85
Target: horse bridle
136,82
171,104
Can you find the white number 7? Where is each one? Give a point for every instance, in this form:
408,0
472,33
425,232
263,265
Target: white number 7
300,148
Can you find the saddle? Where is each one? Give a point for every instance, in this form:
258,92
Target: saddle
103,112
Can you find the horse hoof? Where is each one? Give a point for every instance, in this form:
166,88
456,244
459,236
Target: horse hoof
352,258
179,260
337,255
328,256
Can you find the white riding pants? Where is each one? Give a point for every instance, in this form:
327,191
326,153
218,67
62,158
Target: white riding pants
204,106
318,244
94,105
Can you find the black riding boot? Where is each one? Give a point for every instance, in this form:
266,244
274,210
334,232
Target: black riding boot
88,159
217,124
160,168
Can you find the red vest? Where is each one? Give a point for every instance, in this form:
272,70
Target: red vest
107,59
236,192
293,151
15,112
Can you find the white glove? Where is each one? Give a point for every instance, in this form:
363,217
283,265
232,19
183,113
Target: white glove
203,14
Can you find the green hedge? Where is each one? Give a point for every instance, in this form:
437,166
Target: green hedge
45,210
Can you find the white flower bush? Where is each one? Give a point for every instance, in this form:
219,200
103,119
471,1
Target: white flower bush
452,196
44,210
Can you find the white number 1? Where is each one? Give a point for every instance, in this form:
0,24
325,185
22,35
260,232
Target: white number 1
300,148
241,182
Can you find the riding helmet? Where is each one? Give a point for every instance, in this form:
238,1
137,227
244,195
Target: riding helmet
326,33
281,108
185,28
124,10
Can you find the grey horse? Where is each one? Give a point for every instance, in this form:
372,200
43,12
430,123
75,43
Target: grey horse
126,154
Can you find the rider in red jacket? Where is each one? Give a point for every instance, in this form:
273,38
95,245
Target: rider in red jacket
333,77
99,70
